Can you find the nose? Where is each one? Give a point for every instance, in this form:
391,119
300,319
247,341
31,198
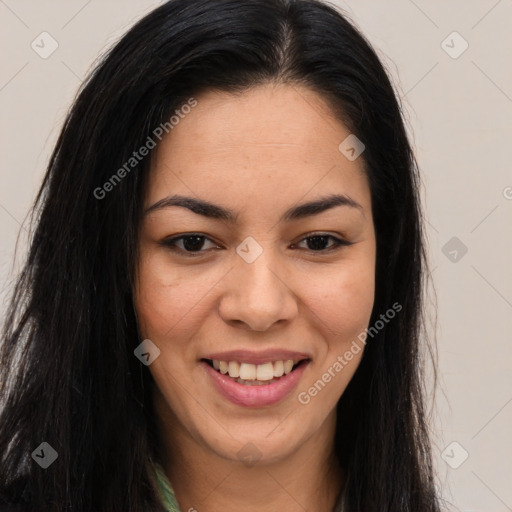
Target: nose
257,295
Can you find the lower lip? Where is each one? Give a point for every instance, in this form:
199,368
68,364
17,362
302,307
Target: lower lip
255,396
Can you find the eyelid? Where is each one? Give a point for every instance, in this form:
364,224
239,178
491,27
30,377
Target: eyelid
171,244
339,241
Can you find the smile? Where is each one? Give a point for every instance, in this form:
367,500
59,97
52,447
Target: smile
254,374
255,385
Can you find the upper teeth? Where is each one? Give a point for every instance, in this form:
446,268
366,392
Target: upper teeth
247,371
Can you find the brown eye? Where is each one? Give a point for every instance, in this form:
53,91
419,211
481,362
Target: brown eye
193,243
319,243
188,244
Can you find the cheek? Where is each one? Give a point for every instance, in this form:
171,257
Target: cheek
343,299
356,296
166,302
168,311
342,303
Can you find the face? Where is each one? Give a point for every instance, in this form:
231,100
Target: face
254,282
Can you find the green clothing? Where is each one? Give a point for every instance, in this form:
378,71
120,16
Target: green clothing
171,505
165,490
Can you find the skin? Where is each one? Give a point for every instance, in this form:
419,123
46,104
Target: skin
258,153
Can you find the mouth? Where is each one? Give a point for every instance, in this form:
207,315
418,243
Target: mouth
249,374
254,385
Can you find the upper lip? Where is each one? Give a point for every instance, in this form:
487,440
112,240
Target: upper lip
252,357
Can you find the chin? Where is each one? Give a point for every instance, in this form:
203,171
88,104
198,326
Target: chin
256,444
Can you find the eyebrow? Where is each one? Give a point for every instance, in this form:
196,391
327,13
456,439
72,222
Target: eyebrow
213,211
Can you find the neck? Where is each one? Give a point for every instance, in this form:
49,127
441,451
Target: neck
308,479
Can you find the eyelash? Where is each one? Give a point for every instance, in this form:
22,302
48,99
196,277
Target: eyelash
171,244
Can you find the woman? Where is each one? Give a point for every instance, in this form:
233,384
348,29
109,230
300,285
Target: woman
221,305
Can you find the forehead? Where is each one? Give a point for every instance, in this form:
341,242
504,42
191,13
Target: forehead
270,141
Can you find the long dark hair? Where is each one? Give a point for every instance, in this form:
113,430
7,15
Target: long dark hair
68,373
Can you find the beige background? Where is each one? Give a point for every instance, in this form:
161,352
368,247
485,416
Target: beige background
459,111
